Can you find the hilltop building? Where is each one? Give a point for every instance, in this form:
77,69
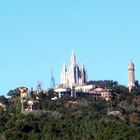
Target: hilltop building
74,82
73,75
131,76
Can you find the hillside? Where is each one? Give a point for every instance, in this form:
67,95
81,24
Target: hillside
81,118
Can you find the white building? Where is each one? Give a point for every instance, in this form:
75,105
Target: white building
73,75
84,88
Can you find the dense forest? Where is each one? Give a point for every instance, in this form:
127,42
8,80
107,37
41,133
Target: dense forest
67,118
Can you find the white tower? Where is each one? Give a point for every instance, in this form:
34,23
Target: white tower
131,75
73,59
72,69
63,74
83,77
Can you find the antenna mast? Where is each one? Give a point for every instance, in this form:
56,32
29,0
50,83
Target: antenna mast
52,80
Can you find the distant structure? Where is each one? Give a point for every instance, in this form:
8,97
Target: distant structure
52,80
73,75
131,76
39,87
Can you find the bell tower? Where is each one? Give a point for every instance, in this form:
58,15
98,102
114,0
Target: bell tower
131,76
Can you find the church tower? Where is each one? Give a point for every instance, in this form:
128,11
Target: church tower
73,75
73,59
131,75
64,74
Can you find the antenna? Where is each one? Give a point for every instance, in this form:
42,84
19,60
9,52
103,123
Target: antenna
52,80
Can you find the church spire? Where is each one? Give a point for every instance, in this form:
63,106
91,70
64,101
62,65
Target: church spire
73,58
64,66
82,65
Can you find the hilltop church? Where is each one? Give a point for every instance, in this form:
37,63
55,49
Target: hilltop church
73,75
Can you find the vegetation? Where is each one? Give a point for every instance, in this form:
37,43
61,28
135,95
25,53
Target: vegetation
84,118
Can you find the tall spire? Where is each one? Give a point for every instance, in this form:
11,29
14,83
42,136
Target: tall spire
64,67
73,58
82,65
63,74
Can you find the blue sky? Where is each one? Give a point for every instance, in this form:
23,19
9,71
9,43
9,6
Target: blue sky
36,35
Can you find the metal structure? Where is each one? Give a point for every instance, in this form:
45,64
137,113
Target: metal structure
52,80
